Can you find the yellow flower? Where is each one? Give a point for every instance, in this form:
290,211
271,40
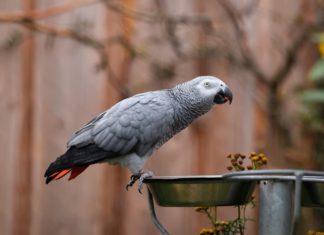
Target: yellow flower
319,233
206,231
254,158
249,167
264,160
321,48
241,168
252,154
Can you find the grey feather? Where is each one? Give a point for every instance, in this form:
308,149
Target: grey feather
129,145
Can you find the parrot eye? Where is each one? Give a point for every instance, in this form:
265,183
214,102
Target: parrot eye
206,84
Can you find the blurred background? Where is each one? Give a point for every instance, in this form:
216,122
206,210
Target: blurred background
63,62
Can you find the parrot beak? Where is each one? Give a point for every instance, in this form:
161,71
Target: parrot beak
224,95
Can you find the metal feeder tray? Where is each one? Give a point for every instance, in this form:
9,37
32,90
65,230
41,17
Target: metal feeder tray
193,191
282,193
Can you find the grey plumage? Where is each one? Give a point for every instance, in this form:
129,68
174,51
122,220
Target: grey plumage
132,129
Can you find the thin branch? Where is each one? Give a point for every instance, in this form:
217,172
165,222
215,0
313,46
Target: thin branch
88,41
250,8
27,20
247,61
155,18
170,29
60,32
123,90
137,15
125,42
37,14
290,57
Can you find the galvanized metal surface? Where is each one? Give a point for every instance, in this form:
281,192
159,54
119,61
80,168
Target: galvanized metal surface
309,185
276,203
201,191
217,190
282,193
313,194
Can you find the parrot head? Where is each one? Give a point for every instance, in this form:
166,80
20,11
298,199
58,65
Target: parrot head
213,88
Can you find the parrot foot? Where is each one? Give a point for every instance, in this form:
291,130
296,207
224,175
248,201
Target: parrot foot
144,175
141,176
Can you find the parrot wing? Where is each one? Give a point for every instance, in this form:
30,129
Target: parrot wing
134,125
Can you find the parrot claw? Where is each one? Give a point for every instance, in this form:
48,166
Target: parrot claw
144,175
141,176
133,179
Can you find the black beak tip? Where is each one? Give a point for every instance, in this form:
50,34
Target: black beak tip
228,94
230,98
223,96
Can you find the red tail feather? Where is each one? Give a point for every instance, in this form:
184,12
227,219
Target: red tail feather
77,171
61,174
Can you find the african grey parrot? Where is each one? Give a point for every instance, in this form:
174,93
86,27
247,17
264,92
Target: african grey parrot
129,132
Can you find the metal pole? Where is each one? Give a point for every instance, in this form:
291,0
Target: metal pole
276,203
297,200
155,220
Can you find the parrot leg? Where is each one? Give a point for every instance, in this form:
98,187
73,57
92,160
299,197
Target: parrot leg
140,176
144,175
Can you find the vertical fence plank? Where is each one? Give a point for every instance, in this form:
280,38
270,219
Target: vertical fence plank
68,94
23,187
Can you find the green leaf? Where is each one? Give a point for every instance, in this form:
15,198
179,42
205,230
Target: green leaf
317,37
317,71
315,96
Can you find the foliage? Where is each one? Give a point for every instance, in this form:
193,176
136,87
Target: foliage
237,161
313,103
317,72
237,225
313,96
310,232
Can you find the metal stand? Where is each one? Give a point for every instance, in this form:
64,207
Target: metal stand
155,220
276,206
280,197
